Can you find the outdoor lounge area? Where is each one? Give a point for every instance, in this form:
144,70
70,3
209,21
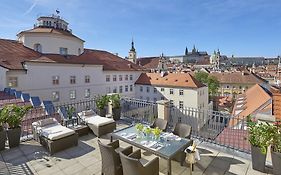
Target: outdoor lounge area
31,158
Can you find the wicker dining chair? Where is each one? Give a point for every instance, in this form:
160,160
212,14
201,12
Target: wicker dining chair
133,166
160,123
111,163
182,130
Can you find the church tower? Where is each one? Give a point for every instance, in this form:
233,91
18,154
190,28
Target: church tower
132,53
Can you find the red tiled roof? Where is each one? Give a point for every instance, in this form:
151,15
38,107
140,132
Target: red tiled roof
149,62
49,30
13,53
184,80
237,78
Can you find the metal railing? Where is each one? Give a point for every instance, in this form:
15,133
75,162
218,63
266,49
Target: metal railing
138,110
213,126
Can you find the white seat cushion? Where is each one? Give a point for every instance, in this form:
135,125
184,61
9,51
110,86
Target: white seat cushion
98,120
55,132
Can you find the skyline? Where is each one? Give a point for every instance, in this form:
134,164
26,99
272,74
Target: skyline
235,27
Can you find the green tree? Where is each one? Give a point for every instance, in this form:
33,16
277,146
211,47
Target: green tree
202,77
213,85
211,81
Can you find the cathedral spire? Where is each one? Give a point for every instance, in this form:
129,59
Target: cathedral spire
133,47
186,51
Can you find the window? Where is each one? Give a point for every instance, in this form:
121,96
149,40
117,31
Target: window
147,98
38,47
126,77
126,88
131,88
63,51
107,78
114,90
140,97
120,89
155,90
171,91
108,90
172,102
141,88
181,92
162,98
114,77
72,79
120,78
79,51
13,81
56,80
87,93
147,89
155,99
240,87
227,86
87,79
162,89
55,96
181,104
131,77
72,94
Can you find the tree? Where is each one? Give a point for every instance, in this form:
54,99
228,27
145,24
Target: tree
202,77
213,85
211,81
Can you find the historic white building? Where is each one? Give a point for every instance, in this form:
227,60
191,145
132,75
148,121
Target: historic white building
181,89
50,62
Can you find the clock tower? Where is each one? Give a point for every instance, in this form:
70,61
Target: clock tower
132,54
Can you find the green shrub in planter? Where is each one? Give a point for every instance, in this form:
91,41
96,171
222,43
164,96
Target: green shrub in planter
3,137
259,137
12,115
101,102
276,147
116,106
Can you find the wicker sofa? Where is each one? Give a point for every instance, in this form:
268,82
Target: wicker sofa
53,136
99,125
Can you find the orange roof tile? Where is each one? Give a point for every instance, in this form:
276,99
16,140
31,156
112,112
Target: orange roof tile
184,80
13,54
256,99
149,62
237,78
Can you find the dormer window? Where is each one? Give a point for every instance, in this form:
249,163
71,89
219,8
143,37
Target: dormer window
63,51
38,47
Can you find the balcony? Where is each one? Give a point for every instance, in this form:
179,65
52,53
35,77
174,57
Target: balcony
221,139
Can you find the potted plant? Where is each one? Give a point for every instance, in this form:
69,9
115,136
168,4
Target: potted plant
276,147
101,102
259,137
12,115
2,132
116,107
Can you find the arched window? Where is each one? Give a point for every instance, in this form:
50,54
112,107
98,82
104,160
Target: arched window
38,47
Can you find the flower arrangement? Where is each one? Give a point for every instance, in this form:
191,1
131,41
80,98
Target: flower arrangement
139,127
156,131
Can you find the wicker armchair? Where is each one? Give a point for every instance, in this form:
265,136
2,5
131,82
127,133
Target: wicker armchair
133,166
160,123
111,163
184,131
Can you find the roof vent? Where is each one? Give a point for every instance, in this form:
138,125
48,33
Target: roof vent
166,79
157,78
186,80
176,80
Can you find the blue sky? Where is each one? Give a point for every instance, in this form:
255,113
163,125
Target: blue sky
239,27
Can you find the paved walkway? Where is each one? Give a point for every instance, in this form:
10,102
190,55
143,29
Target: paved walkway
31,158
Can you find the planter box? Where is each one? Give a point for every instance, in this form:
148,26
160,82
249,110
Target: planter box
276,162
116,113
14,137
102,112
258,159
3,139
